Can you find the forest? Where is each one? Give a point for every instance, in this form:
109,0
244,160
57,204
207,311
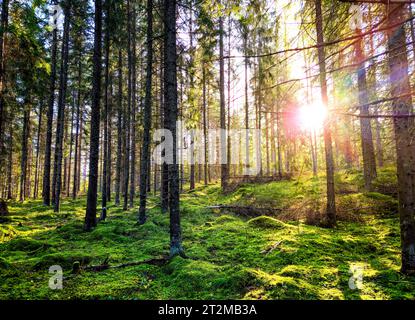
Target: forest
207,150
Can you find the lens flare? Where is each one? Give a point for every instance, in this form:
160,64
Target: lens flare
312,116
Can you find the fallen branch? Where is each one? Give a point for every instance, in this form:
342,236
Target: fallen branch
105,265
246,211
272,248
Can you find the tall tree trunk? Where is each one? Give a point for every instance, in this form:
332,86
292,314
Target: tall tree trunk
10,165
331,198
119,131
38,137
245,44
77,130
223,135
91,210
205,134
403,127
105,115
49,115
145,154
24,153
133,108
368,150
71,135
164,194
3,27
127,114
170,82
57,174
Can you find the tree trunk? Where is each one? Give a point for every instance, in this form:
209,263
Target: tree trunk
205,135
368,150
245,44
105,115
49,115
403,127
170,83
57,174
223,135
91,210
78,131
119,131
24,154
127,114
331,200
145,154
133,109
39,130
3,27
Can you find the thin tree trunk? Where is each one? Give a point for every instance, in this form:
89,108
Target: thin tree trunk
105,113
24,153
48,145
368,150
331,200
133,109
57,174
223,136
39,130
145,154
127,114
205,136
3,27
10,165
119,130
78,131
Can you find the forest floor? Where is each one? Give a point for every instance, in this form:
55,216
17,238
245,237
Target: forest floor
230,256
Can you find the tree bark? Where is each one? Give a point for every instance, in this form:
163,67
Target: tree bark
24,152
145,154
57,174
127,114
170,94
91,210
3,27
133,108
49,115
331,198
223,136
119,131
368,149
404,128
78,131
105,115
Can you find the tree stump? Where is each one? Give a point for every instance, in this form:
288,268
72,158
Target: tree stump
4,211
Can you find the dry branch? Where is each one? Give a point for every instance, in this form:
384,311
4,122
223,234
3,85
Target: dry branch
105,265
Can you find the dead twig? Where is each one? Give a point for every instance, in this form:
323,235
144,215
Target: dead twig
272,248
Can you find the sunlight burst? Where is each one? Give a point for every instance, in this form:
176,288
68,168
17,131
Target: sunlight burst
312,116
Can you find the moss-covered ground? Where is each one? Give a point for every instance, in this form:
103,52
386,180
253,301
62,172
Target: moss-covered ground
229,256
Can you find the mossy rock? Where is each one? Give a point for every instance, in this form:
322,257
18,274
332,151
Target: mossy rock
264,222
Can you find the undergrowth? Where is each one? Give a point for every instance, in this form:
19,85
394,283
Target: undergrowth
229,256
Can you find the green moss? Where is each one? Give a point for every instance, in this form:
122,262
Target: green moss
230,257
264,222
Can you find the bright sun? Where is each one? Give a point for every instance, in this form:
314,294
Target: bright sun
312,116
